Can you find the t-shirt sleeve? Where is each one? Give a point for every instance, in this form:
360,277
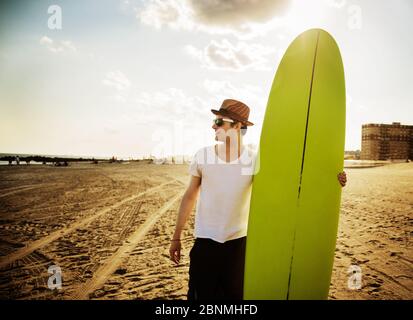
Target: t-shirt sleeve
194,168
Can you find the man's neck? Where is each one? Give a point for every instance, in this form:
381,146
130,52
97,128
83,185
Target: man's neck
230,151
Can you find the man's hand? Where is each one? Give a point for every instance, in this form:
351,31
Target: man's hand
342,178
175,251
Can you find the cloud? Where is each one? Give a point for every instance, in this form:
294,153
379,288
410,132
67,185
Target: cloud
164,107
61,46
228,89
225,55
46,41
117,80
121,84
171,13
237,12
170,105
68,45
111,131
242,18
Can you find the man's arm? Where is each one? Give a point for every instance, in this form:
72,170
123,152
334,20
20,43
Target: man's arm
185,209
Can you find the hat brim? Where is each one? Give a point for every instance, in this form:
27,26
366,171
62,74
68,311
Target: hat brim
224,114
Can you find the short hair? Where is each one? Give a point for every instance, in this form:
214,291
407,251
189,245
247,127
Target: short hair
243,127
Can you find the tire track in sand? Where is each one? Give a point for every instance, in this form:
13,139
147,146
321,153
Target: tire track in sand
23,188
104,272
24,251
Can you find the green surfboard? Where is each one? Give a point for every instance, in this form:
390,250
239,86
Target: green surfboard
295,199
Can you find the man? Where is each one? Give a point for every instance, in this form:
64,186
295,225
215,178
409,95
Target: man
220,173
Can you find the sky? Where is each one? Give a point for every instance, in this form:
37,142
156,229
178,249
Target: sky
133,78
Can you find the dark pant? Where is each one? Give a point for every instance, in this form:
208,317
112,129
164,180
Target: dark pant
216,270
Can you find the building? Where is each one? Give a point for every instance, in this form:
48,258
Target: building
386,141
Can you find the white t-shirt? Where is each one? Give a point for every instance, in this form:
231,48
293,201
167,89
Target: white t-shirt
225,192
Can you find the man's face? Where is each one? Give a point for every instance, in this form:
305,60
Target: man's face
224,131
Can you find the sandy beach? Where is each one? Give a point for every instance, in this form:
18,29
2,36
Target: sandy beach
108,226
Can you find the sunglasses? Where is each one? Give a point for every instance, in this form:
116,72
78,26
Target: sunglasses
220,121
